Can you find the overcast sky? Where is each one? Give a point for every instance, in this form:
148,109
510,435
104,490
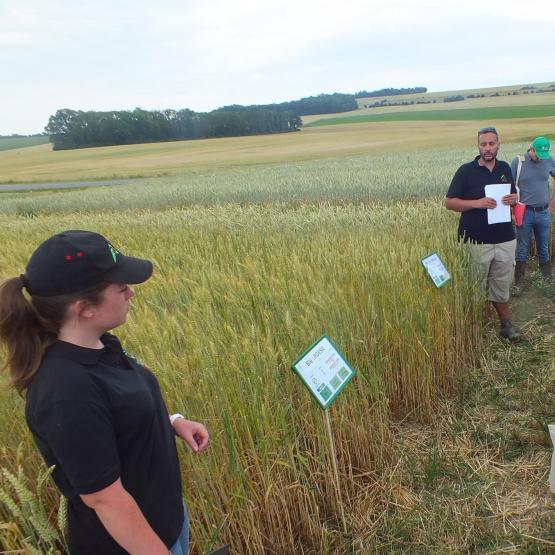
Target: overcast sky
203,54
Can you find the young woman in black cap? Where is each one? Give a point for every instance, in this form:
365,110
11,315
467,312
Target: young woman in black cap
94,411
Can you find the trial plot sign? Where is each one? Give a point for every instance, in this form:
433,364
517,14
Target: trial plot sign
436,270
323,370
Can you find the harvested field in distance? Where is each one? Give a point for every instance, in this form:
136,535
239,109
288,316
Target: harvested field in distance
498,94
504,100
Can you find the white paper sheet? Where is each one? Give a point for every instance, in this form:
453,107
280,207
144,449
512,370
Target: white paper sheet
551,428
502,212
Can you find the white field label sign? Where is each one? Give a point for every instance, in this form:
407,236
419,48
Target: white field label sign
324,371
436,270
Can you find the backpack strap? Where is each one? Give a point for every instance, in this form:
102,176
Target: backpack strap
520,159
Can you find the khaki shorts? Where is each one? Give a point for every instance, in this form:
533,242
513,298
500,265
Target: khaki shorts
497,267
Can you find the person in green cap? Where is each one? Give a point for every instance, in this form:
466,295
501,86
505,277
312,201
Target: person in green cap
531,173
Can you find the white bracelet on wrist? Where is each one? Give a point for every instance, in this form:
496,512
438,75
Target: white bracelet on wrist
174,417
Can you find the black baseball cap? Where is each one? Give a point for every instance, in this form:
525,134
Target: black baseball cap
75,260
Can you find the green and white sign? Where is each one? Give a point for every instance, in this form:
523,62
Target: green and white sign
436,269
323,370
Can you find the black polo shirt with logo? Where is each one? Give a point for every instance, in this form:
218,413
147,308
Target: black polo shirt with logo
468,183
98,415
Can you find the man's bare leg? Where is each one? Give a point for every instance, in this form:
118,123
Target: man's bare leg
507,329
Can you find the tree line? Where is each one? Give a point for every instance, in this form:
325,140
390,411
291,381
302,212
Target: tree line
390,92
79,129
321,104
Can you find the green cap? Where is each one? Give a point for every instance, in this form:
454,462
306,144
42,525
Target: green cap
541,146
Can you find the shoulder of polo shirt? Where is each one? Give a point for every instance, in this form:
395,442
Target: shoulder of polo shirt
74,353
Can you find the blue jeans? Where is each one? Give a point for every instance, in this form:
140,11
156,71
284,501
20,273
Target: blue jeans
540,222
181,546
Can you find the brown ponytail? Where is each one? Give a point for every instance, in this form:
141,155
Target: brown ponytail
28,328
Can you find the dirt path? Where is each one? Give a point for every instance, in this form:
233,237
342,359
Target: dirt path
67,184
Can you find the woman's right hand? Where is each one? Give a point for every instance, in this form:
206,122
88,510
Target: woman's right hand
192,433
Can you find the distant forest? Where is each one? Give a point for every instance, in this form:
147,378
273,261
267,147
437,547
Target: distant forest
79,129
390,92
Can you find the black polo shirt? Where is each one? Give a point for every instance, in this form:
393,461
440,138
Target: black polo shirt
98,415
468,183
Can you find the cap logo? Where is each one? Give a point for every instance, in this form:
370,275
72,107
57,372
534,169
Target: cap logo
69,257
114,252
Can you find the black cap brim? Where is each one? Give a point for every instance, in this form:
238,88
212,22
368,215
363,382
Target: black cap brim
131,270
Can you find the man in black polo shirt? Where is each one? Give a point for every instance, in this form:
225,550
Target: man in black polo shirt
492,245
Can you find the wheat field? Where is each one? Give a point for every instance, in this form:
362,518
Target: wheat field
239,291
261,245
